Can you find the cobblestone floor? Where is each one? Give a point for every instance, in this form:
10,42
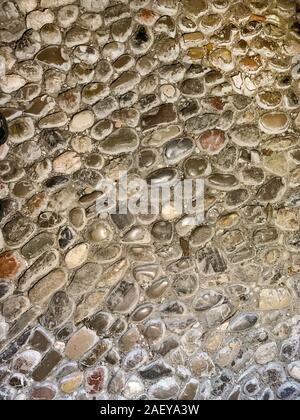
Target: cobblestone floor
147,307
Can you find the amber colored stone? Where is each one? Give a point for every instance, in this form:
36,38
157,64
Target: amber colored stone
257,18
197,53
36,204
10,265
251,64
146,16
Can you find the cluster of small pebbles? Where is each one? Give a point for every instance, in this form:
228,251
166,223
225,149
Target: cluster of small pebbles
147,306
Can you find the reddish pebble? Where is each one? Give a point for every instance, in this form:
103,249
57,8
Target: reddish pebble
95,380
212,141
11,265
42,392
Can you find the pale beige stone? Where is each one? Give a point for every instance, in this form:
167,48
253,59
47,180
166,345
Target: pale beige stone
77,256
47,286
37,19
67,163
80,343
82,121
266,353
71,383
27,6
56,120
274,299
82,144
12,82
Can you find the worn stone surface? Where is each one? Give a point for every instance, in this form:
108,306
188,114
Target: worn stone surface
163,305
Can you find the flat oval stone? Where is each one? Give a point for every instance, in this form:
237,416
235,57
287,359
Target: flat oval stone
275,122
102,129
193,88
265,236
77,256
161,136
243,322
47,286
43,392
82,341
126,82
142,312
38,245
269,99
124,140
101,232
137,234
207,300
245,135
162,176
178,149
223,182
78,218
201,236
59,311
236,198
21,129
147,158
253,175
18,231
158,288
272,191
195,167
84,279
280,143
82,121
42,266
124,297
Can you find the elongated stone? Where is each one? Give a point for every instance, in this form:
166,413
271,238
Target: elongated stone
42,266
38,245
59,311
85,279
124,140
165,114
48,363
80,343
47,286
